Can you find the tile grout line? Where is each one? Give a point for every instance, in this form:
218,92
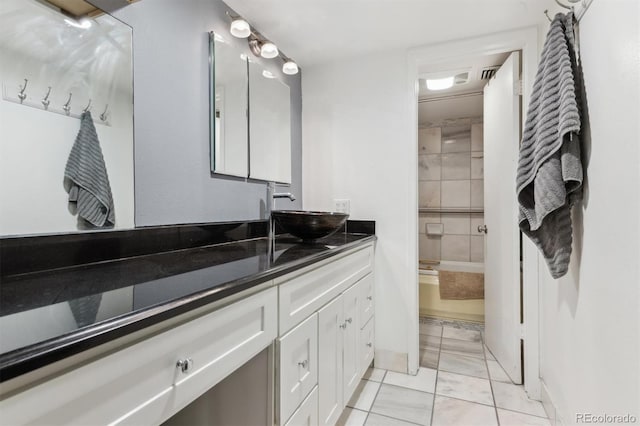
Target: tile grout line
375,397
493,396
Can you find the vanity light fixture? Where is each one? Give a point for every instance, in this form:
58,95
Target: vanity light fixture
240,28
259,45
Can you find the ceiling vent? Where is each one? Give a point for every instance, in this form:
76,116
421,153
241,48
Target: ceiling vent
489,72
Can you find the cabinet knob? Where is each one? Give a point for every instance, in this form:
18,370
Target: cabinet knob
303,364
482,229
369,297
343,325
369,344
349,320
185,365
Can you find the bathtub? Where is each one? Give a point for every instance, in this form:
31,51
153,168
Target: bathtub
429,294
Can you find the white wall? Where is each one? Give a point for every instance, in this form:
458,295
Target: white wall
590,319
357,144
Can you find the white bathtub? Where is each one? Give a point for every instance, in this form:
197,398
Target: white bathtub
445,265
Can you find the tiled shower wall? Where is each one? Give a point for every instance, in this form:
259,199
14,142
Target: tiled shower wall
450,174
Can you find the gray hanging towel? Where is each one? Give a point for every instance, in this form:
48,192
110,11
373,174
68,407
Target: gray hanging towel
87,174
549,179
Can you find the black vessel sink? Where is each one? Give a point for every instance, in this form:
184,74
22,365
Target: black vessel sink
309,225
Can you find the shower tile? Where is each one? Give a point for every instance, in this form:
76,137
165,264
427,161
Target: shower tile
455,247
456,138
429,192
477,193
477,249
456,166
455,223
477,219
477,166
477,137
429,167
429,140
429,247
456,193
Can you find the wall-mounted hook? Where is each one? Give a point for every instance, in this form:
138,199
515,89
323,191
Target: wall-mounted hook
45,101
546,12
66,107
22,96
104,115
88,107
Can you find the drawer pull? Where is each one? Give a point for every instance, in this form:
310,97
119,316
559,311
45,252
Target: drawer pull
303,364
349,320
369,297
370,344
185,365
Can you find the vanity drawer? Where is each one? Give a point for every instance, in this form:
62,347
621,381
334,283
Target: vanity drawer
307,414
366,346
141,384
366,300
298,366
306,291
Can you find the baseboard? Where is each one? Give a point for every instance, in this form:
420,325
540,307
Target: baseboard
390,360
550,406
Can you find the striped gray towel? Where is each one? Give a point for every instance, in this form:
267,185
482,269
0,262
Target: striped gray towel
87,174
549,177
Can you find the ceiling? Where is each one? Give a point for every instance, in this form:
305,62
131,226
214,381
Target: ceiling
319,31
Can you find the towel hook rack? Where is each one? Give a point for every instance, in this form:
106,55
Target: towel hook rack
546,12
22,96
66,107
45,101
104,115
88,107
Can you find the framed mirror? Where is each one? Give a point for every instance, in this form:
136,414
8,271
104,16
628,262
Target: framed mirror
54,65
269,126
228,103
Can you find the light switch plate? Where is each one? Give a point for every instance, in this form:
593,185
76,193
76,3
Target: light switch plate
342,206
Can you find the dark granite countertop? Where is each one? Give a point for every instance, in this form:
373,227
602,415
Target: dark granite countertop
48,315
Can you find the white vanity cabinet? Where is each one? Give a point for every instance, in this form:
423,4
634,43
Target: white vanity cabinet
336,296
148,382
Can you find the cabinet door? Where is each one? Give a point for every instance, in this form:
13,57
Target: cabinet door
307,414
330,344
298,366
366,346
351,370
366,300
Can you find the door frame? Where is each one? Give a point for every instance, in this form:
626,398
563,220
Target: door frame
526,41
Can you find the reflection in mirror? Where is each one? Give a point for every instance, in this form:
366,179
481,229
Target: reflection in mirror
269,126
52,68
228,105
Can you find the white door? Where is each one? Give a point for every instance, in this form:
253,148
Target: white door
502,238
330,343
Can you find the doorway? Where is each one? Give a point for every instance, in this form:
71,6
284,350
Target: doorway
432,58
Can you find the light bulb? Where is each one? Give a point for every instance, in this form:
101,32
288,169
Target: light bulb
290,68
268,50
440,83
240,28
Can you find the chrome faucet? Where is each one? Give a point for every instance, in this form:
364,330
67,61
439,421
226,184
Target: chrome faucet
272,195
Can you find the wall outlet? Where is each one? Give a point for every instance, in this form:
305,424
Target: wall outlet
342,206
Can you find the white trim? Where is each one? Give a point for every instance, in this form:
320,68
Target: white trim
526,40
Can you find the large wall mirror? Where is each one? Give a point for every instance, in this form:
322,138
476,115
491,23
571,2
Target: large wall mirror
54,65
250,116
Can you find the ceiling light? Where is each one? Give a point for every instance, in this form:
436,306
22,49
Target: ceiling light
268,50
83,23
440,83
290,68
268,74
240,28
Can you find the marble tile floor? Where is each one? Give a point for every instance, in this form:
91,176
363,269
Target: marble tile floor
459,383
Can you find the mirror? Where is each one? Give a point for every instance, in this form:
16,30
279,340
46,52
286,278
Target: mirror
228,108
52,67
269,126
